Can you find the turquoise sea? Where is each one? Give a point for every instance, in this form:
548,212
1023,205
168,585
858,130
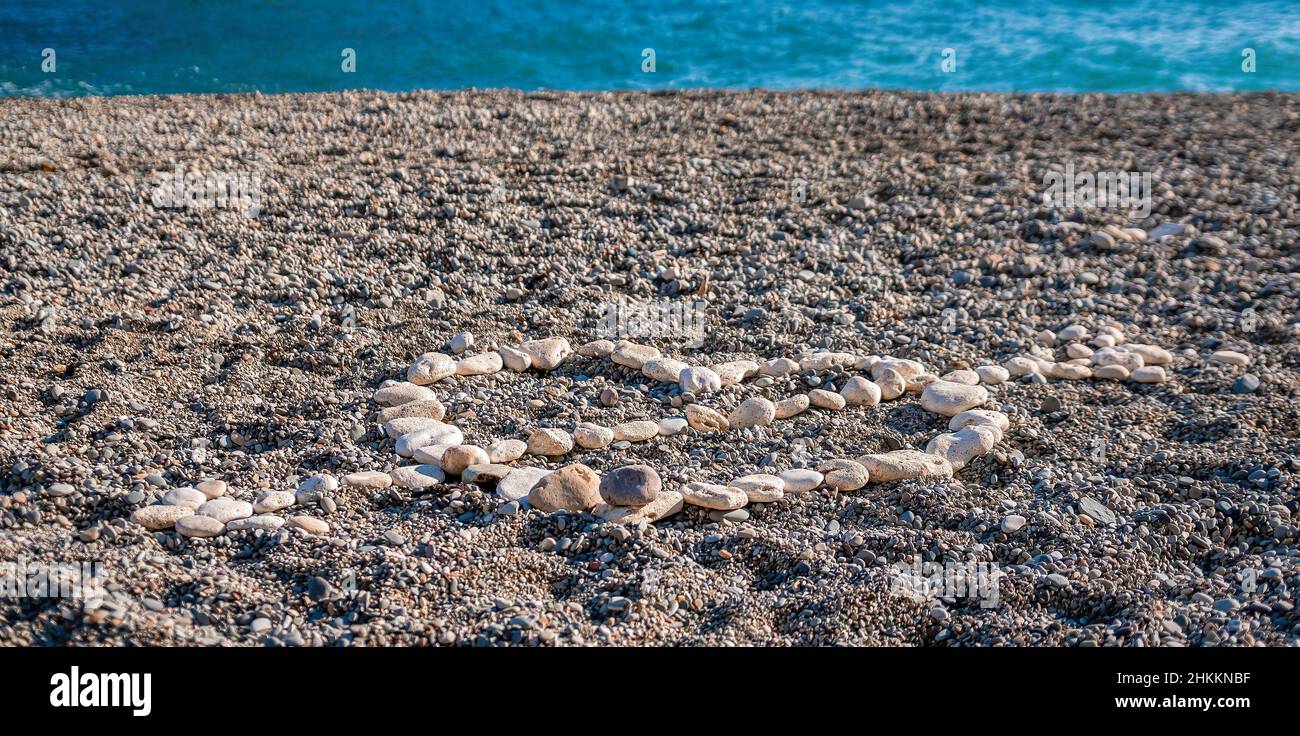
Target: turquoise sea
109,47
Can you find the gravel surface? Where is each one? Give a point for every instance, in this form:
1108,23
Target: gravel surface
146,349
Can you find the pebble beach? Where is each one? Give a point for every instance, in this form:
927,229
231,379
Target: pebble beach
387,404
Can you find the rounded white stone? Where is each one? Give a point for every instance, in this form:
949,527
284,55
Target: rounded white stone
550,442
666,370
441,434
273,501
800,480
778,367
225,509
823,399
970,378
368,479
753,412
417,477
548,353
792,406
266,522
760,487
593,436
964,445
713,496
699,380
199,526
403,392
633,355
670,426
515,359
157,518
191,497
506,451
992,374
891,382
949,399
430,368
479,365
636,431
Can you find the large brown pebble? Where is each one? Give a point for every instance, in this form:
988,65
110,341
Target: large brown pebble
574,487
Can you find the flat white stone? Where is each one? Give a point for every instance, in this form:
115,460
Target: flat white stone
266,522
703,419
949,399
823,399
699,380
1111,356
417,477
157,518
274,501
666,370
735,371
424,409
479,365
970,378
752,412
792,406
506,451
665,504
1149,374
550,442
996,419
778,367
1151,354
858,391
519,481
1111,372
800,480
200,526
395,428
1230,357
964,445
844,475
442,434
887,467
633,355
825,361
401,393
760,487
548,353
191,497
670,426
593,436
902,366
515,359
430,368
636,431
225,509
596,349
368,479
713,496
